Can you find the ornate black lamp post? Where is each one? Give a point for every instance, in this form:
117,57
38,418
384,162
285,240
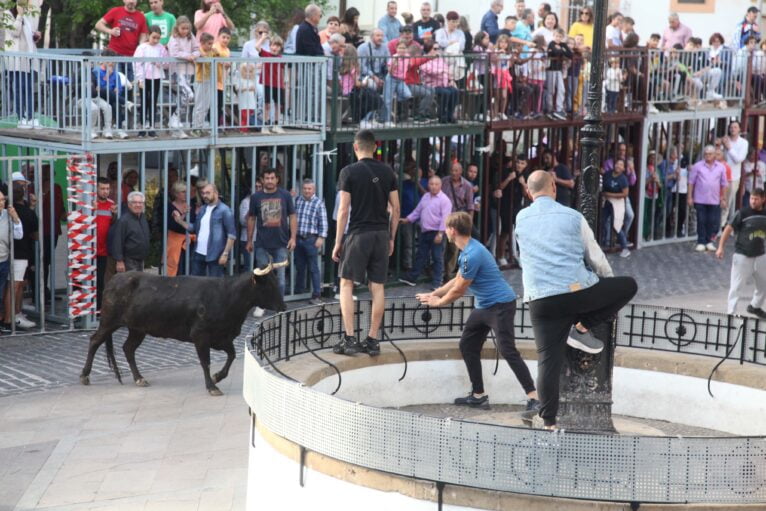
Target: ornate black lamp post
586,380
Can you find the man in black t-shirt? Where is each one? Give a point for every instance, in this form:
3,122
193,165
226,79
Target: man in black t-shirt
562,176
426,26
749,260
369,189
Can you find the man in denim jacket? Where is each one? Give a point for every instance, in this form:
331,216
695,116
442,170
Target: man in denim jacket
566,298
215,232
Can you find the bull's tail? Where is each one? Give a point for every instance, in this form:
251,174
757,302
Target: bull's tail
110,358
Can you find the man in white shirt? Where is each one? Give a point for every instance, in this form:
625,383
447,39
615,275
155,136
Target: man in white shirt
736,152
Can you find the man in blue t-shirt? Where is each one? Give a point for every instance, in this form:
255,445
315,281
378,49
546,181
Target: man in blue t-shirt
272,211
495,304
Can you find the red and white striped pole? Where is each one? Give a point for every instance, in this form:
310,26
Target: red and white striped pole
81,237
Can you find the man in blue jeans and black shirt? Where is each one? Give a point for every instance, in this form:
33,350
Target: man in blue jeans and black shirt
274,211
495,304
566,298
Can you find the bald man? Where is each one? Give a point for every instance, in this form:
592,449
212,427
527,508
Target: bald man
566,298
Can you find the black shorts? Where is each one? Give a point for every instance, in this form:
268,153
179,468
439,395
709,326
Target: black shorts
365,254
274,95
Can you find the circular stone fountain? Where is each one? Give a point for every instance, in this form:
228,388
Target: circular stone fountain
331,432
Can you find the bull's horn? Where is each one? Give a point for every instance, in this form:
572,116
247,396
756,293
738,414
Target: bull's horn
282,264
261,272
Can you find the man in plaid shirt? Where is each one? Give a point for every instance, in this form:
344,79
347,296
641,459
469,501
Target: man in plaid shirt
312,231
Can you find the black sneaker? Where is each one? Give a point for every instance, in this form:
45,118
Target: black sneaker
584,341
371,346
533,405
407,281
473,402
348,345
756,311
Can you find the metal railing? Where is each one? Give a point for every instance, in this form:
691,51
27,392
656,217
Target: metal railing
407,92
696,76
618,468
93,97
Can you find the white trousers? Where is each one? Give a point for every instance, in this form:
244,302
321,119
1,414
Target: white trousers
742,269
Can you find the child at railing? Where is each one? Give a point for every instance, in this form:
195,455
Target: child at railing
558,53
149,76
203,87
394,84
245,86
362,92
740,65
537,67
576,71
184,46
502,82
107,86
222,48
273,80
613,83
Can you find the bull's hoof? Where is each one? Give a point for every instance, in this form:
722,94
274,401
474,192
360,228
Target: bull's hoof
142,383
217,377
214,391
84,380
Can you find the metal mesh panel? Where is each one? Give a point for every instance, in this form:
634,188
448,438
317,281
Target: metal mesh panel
598,467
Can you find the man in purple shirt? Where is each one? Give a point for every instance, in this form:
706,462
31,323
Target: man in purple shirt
460,191
706,192
676,33
432,211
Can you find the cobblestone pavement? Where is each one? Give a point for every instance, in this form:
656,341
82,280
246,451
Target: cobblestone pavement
39,362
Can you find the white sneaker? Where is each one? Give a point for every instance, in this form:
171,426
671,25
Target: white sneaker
337,297
625,252
93,135
388,124
180,134
278,130
700,247
35,124
653,109
713,96
710,247
258,312
502,261
24,124
266,131
364,125
174,122
108,134
121,134
23,322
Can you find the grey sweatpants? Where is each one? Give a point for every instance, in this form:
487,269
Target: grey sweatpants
203,96
554,84
742,269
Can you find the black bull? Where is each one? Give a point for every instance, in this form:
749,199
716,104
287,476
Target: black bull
207,311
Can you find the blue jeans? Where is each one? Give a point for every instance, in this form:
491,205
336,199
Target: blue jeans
202,268
5,269
426,247
23,96
306,255
447,98
245,256
607,213
277,255
390,87
708,220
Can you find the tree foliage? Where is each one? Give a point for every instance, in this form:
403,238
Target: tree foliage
73,21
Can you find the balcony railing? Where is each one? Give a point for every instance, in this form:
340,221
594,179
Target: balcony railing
93,97
697,77
407,92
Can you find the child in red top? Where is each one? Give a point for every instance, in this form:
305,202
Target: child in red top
272,78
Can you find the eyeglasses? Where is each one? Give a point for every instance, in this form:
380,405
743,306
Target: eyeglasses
136,202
